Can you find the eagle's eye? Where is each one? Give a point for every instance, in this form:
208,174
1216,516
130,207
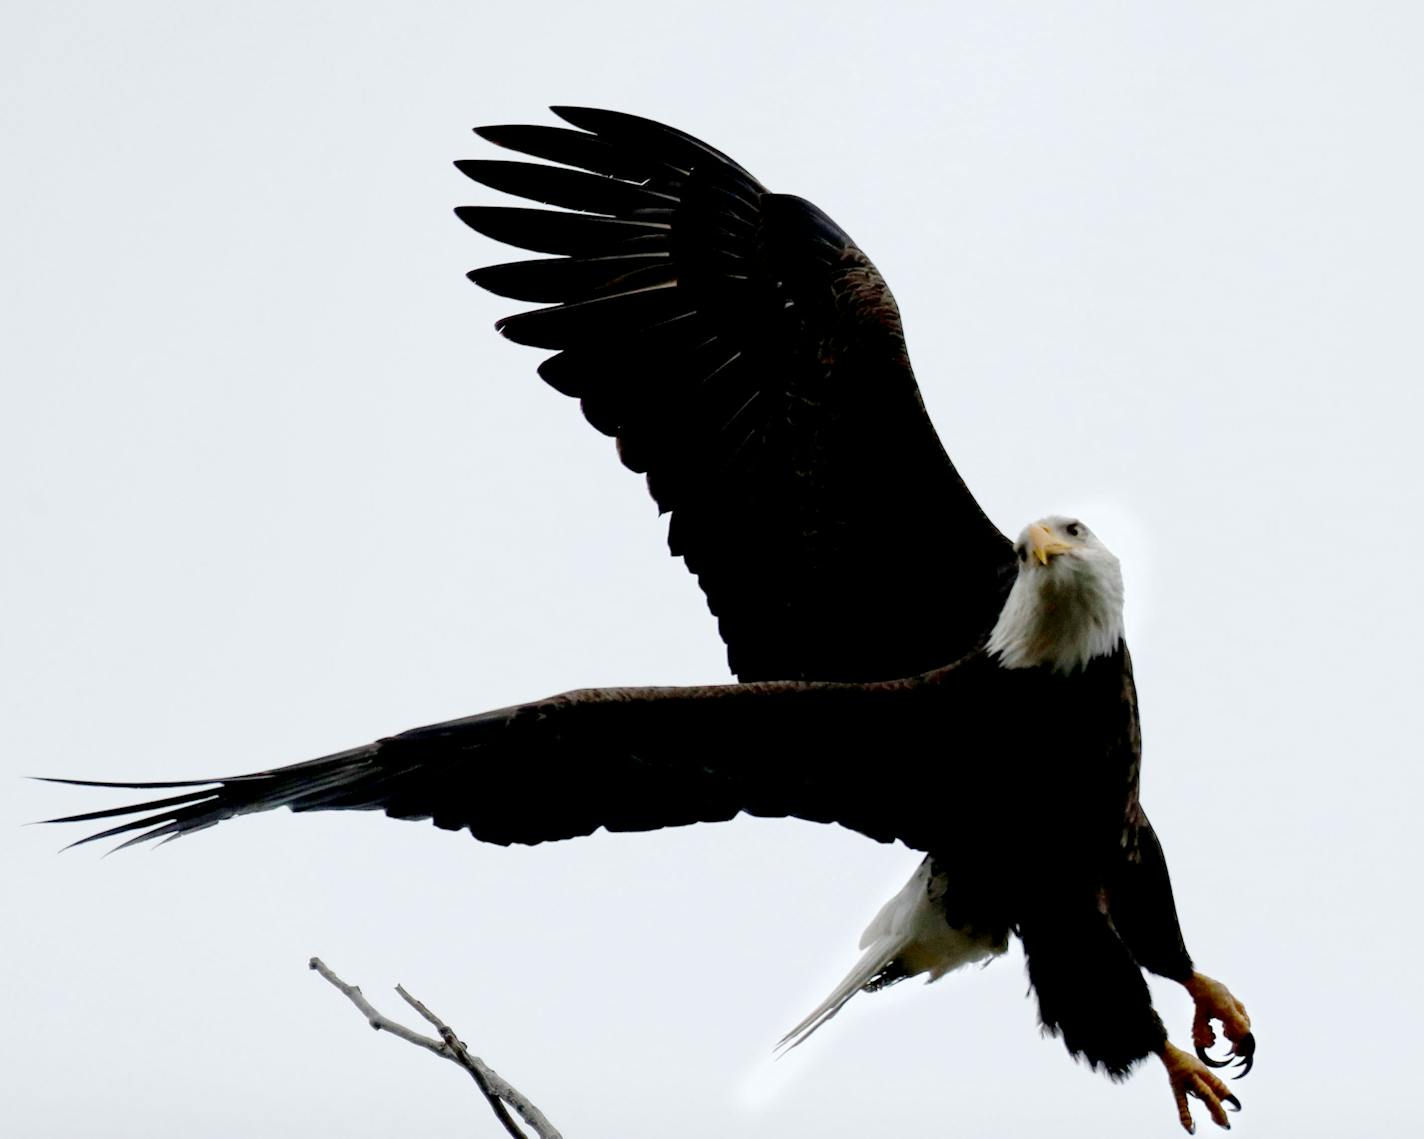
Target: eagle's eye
1022,552
1074,529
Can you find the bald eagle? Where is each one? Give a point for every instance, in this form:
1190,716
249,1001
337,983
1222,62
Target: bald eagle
899,661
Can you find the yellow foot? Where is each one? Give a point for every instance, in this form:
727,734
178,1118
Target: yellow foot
1215,1002
1190,1077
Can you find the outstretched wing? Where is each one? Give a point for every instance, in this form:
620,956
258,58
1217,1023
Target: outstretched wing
749,358
626,759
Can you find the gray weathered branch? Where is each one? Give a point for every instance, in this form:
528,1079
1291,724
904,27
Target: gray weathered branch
496,1090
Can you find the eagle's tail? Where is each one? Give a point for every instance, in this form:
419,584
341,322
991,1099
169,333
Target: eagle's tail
908,936
875,961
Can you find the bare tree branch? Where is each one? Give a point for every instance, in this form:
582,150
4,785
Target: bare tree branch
496,1090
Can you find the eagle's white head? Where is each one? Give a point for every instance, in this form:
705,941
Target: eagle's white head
1065,607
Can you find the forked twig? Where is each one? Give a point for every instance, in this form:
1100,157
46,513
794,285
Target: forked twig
496,1090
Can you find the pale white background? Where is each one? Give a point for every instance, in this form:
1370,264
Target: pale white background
272,486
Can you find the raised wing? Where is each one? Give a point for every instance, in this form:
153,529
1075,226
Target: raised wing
625,759
749,358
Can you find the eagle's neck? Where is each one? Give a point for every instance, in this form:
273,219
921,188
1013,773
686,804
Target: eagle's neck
1061,615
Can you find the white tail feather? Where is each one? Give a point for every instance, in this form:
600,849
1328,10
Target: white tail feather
910,930
873,962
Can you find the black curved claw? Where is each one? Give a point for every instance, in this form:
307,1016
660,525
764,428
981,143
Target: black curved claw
1209,1062
1233,1101
1245,1050
1243,1056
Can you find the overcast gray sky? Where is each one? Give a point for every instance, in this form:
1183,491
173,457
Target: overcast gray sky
272,486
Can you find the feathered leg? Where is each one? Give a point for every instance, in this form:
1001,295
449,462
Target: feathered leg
1090,990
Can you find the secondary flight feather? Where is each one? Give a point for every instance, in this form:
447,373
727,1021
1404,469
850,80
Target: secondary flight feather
749,359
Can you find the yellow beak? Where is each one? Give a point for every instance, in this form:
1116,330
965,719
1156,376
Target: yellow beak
1043,545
